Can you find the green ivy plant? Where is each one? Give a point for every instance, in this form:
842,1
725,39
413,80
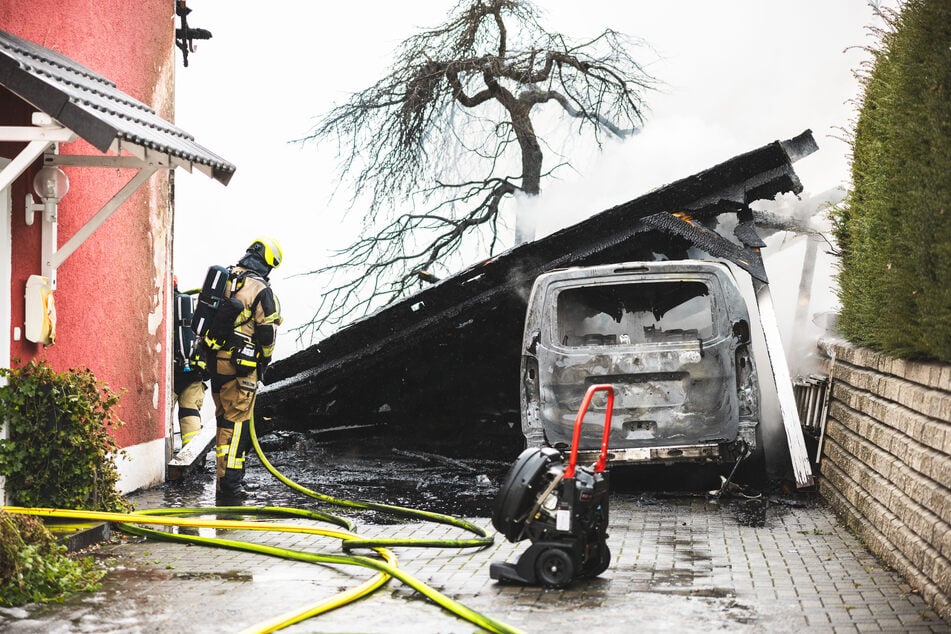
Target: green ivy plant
35,569
59,452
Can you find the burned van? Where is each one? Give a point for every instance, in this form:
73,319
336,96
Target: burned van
672,337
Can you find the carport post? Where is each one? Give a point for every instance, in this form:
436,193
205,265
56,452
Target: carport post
787,399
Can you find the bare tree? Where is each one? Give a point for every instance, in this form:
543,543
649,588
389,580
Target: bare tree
452,131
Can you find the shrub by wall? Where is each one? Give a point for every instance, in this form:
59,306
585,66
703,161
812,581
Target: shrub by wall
894,231
59,452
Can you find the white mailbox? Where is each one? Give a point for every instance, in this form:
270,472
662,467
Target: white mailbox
40,319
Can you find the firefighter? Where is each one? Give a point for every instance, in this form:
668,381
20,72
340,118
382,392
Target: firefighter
241,361
188,381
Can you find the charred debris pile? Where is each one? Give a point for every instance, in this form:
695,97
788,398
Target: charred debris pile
444,362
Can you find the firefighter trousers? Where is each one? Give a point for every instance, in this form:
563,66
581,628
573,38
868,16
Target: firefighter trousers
189,410
234,398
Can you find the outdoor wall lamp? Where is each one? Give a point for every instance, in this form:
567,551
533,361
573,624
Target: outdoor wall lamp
50,184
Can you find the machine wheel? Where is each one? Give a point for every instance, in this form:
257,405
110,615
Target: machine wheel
604,560
597,563
554,568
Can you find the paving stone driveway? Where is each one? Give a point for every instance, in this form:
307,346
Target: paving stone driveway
679,564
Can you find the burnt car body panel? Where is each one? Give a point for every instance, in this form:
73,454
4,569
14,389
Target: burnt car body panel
672,337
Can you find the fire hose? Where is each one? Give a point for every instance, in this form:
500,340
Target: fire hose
386,565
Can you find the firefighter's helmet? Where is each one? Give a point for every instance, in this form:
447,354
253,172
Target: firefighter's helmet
268,250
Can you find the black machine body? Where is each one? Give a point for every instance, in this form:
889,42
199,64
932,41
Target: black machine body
562,508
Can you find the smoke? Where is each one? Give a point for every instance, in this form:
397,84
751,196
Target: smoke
737,75
801,271
666,150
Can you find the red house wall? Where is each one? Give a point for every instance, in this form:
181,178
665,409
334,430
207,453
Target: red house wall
111,298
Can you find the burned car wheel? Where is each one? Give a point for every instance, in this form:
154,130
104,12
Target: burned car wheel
519,491
554,568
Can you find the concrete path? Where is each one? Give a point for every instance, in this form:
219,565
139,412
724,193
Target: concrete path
680,564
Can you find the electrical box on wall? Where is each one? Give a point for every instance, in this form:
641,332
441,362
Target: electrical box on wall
40,320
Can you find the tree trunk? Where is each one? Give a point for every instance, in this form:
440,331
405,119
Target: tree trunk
525,218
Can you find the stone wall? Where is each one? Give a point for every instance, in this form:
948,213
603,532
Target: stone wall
886,462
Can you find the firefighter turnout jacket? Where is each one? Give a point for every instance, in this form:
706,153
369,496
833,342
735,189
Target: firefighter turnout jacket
255,327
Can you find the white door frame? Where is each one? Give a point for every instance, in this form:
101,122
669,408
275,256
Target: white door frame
6,274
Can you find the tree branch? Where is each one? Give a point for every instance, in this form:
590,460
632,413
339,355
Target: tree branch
456,106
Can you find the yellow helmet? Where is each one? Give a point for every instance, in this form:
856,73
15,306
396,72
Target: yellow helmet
268,249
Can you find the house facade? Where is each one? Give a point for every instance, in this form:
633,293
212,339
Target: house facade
87,90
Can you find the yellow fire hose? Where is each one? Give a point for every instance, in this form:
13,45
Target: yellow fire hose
386,566
483,541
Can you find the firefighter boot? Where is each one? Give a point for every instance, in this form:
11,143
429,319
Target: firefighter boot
229,463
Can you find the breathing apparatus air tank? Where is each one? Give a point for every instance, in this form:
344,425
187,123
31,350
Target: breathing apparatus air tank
184,335
209,299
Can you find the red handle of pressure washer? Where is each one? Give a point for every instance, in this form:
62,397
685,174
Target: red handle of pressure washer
609,410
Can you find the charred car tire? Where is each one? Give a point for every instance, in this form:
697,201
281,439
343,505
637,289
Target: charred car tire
554,568
520,489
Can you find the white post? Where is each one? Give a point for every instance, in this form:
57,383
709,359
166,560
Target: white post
6,276
787,399
805,294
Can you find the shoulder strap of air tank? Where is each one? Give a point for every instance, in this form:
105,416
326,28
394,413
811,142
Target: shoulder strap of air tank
237,281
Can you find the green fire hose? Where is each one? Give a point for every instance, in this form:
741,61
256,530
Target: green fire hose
385,564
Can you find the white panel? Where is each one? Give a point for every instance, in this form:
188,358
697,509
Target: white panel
143,466
798,455
6,264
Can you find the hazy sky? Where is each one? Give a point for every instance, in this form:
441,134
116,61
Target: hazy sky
738,73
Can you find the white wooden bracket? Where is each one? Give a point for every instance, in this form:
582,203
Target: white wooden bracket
53,258
42,139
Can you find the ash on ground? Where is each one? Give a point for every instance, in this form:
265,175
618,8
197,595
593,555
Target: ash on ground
458,479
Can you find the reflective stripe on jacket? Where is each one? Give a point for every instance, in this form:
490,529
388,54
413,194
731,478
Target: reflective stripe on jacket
261,314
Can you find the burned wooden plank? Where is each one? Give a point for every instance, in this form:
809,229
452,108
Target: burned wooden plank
710,241
746,233
447,357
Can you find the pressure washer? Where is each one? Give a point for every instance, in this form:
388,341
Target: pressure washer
560,506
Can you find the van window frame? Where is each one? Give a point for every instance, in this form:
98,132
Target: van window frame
558,287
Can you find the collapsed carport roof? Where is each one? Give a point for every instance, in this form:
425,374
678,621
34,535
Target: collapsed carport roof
451,351
96,110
